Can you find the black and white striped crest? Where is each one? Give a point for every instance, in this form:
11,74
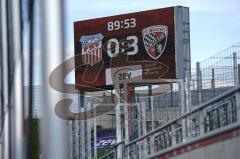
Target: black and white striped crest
155,40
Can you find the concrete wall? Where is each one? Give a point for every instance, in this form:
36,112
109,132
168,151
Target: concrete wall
227,149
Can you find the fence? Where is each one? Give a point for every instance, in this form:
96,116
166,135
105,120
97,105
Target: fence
215,75
158,104
215,115
214,92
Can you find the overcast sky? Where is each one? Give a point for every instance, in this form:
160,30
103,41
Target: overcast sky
215,24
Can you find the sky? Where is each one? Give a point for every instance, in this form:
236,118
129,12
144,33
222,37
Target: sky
214,24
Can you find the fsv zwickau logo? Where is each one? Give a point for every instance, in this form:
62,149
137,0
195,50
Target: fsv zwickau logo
91,48
155,40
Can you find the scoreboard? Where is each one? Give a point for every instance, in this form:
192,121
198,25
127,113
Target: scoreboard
136,46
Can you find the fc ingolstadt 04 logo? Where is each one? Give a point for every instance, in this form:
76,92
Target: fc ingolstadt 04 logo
155,40
91,48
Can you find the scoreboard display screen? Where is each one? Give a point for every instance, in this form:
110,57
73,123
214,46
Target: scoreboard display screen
132,46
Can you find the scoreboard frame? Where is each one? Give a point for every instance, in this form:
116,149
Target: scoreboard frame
152,44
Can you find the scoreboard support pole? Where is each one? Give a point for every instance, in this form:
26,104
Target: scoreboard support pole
95,134
152,113
128,103
118,123
82,127
89,122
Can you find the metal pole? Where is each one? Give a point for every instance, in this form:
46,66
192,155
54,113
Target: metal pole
173,135
18,112
143,106
235,69
118,122
128,101
188,94
183,111
238,74
13,79
88,135
126,111
199,83
95,134
1,96
4,41
70,132
171,88
141,148
82,127
237,95
54,134
150,98
213,82
152,116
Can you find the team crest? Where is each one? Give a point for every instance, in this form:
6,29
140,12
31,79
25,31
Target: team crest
155,40
91,48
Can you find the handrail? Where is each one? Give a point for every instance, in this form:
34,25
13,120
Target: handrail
114,150
194,140
107,154
183,117
229,92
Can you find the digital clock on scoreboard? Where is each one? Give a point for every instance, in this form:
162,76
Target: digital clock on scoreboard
123,24
140,45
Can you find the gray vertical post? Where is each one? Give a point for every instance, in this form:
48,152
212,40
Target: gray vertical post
182,96
213,82
70,132
89,127
171,88
1,100
54,137
199,83
139,129
4,41
18,117
173,137
238,105
143,106
118,122
126,114
13,105
235,69
238,74
139,115
201,122
152,115
82,144
150,98
95,134
187,94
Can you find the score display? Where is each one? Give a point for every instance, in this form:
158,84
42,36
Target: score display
136,46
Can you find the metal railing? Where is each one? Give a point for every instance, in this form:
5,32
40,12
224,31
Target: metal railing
216,114
219,114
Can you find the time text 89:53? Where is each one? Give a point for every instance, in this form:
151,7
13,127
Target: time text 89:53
121,24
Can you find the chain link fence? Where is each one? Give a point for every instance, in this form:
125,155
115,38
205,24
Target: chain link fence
215,75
